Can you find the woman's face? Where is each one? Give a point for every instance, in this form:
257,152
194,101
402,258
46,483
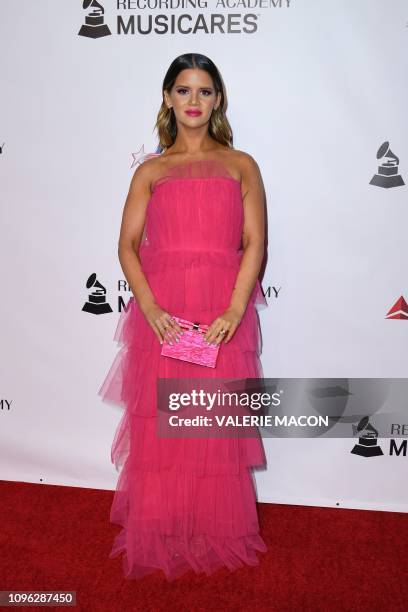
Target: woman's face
193,90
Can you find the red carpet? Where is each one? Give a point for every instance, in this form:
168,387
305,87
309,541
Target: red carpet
59,538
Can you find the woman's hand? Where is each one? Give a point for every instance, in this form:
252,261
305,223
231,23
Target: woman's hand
162,323
228,321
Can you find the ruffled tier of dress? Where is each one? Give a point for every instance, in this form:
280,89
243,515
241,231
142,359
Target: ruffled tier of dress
176,521
195,279
131,383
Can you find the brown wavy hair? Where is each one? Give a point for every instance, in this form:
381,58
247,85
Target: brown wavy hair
219,127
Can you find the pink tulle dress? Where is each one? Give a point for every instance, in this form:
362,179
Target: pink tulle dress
185,503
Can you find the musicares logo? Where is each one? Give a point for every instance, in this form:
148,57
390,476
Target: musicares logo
147,21
367,445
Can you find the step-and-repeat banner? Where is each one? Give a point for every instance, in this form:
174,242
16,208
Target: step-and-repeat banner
317,95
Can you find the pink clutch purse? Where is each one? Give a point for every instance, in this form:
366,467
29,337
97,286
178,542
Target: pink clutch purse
192,345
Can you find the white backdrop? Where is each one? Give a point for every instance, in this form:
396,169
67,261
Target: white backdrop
314,88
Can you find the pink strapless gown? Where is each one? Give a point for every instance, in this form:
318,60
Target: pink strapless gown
185,503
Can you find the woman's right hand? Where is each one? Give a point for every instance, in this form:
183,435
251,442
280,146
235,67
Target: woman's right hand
162,323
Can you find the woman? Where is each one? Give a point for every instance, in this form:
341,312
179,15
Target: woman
190,503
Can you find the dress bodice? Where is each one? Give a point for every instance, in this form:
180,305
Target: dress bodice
192,247
195,206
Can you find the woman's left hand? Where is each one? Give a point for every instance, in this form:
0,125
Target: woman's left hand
227,321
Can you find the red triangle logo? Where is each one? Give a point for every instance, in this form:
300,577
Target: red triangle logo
399,310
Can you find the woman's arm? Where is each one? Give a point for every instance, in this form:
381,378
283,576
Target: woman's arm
253,236
133,222
253,246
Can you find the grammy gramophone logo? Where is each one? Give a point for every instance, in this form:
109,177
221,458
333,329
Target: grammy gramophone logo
367,445
388,174
96,303
94,26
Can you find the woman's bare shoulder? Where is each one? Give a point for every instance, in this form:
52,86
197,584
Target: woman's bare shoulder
146,172
245,160
241,164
